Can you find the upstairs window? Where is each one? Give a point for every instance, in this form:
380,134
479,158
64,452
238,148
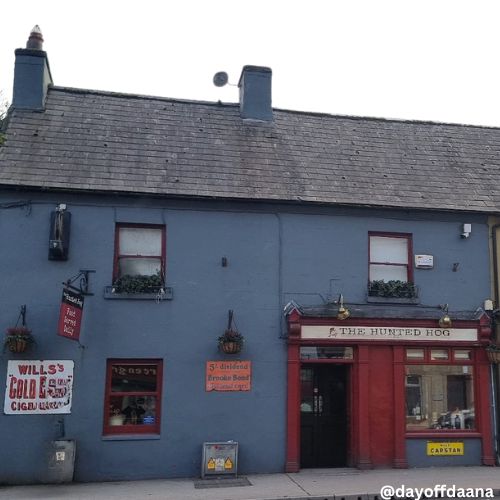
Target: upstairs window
390,257
139,265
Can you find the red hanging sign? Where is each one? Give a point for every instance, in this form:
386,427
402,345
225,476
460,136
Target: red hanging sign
70,316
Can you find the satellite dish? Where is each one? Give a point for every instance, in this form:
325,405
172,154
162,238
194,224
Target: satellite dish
220,79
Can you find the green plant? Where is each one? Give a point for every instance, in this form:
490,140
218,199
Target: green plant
393,289
138,283
231,336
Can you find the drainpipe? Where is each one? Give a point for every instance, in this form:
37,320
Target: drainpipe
495,374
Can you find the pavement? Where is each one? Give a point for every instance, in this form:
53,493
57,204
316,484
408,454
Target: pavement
310,484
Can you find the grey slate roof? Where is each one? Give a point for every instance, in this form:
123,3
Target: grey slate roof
100,141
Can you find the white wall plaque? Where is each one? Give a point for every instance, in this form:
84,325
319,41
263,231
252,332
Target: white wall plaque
424,261
397,333
39,387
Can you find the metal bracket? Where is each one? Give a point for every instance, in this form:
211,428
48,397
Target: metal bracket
83,275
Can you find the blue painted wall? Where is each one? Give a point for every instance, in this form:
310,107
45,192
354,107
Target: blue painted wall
275,254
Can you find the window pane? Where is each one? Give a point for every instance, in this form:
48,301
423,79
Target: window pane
388,273
140,241
414,353
134,267
307,391
463,354
439,397
133,378
132,410
326,352
439,354
384,249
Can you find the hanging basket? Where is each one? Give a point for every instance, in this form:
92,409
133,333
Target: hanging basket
18,338
231,341
493,356
17,345
230,347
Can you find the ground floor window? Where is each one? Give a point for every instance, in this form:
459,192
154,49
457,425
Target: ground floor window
439,397
133,397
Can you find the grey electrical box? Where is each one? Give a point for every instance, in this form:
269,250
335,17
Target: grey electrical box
61,461
220,459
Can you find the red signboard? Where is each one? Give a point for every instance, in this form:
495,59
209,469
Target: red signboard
70,316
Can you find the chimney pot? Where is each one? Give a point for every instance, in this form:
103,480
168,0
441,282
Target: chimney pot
35,40
255,93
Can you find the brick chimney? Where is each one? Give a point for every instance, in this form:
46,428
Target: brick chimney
31,74
255,93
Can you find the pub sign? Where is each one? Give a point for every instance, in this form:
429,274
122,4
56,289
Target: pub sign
70,315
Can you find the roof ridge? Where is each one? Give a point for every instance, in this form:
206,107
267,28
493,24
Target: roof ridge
125,95
219,103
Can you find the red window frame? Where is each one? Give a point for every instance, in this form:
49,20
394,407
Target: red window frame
409,265
118,256
136,428
452,360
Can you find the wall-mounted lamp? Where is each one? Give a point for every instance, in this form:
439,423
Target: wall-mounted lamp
445,320
343,312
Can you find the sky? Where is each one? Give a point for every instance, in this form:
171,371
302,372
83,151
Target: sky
436,60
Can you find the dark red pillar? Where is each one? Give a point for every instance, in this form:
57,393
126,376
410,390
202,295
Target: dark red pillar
293,395
363,416
399,461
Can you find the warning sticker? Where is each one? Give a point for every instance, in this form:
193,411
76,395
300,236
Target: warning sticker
220,458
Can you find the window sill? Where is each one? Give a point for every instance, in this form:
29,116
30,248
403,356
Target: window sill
131,437
109,294
392,300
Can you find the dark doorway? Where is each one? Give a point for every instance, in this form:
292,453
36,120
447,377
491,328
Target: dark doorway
323,415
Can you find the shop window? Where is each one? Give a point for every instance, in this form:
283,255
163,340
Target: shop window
139,265
133,397
439,397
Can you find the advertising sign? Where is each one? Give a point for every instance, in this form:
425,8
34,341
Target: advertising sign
402,333
38,387
445,449
228,376
70,315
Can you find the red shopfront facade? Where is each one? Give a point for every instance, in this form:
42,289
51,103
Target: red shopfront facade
380,392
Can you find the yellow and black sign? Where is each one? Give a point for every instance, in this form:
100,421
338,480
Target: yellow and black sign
445,449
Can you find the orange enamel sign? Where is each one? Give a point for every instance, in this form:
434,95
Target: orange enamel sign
228,376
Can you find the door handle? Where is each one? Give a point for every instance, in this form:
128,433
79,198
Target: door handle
318,404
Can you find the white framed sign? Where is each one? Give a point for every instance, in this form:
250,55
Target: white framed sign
397,333
38,387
